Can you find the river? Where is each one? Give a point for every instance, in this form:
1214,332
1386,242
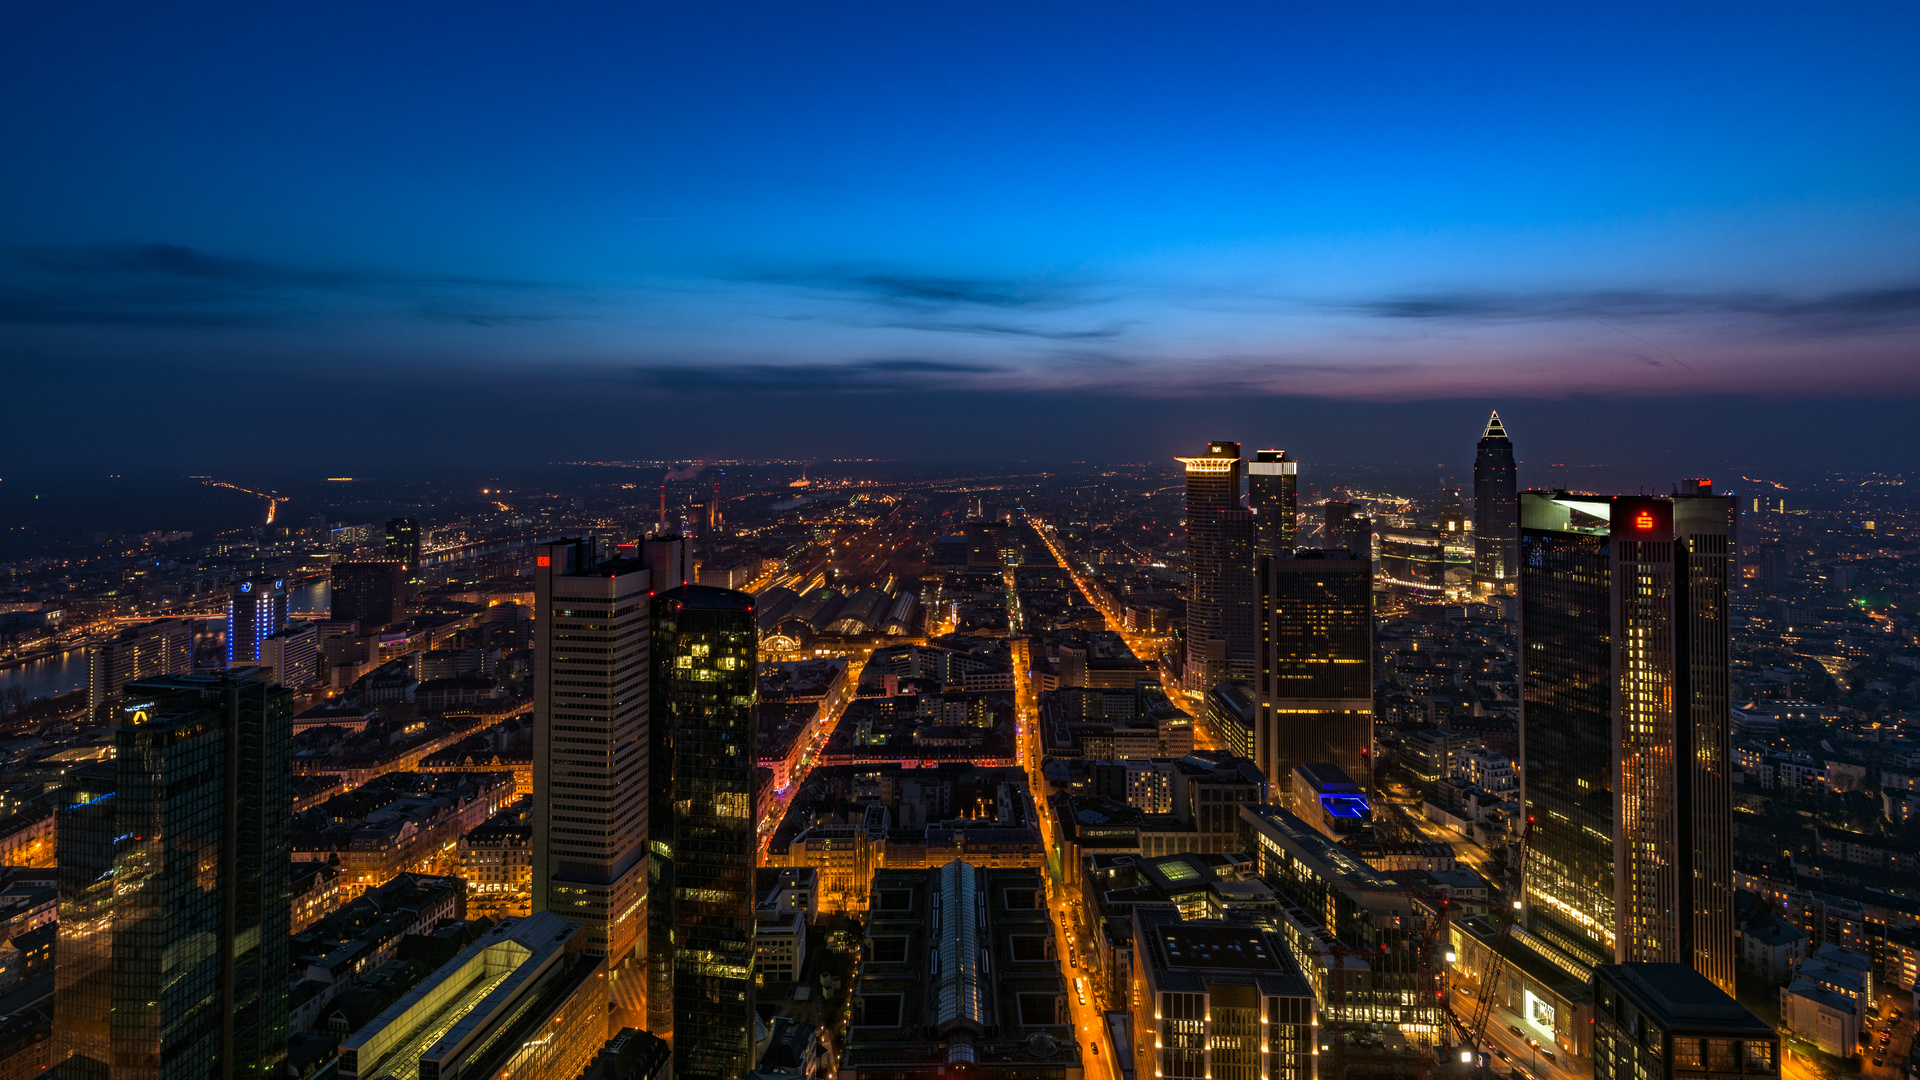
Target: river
65,672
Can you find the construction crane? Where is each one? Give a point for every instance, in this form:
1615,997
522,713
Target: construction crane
1476,1028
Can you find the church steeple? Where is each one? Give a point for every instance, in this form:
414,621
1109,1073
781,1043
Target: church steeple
1494,430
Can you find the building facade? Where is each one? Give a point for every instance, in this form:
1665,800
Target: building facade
1220,539
1625,731
705,665
1273,495
187,949
1315,663
161,647
1496,510
372,592
256,610
1667,1020
1217,998
591,673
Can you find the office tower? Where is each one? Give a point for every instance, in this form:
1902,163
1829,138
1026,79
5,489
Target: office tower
1496,514
1272,487
256,610
161,647
705,673
1667,1020
591,672
670,559
986,540
1315,660
1624,730
293,654
373,593
403,543
1776,570
193,931
1219,570
1347,526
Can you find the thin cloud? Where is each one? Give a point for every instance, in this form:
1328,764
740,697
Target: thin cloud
881,375
169,285
1858,309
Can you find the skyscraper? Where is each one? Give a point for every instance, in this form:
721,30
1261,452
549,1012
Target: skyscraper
403,542
192,933
1272,488
1219,570
1624,732
1347,526
591,674
256,610
705,674
1496,514
371,592
1315,659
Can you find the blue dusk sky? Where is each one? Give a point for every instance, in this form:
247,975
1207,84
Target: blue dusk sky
439,233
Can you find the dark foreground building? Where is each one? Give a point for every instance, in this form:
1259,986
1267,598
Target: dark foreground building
179,969
1667,1020
705,673
1314,663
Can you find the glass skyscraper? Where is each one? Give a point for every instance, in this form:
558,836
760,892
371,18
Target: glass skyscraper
193,932
1496,514
1315,658
705,683
1624,728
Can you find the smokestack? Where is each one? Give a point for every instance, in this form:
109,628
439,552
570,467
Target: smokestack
663,506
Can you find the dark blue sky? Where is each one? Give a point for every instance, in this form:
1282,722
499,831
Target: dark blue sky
1014,230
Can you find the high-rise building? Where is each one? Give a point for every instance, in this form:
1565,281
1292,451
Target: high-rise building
1315,681
1219,570
669,558
1496,514
161,647
1346,526
1667,1020
293,654
705,843
986,541
1624,730
403,542
1272,494
191,936
256,610
591,673
371,592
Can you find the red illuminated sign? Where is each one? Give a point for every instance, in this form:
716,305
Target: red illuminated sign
1643,520
544,560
